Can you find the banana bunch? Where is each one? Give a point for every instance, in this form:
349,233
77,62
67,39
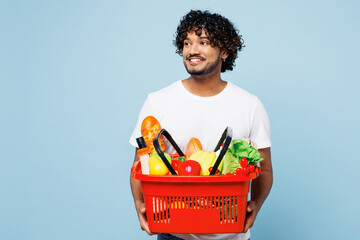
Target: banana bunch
206,159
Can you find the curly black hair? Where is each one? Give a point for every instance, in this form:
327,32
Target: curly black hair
219,29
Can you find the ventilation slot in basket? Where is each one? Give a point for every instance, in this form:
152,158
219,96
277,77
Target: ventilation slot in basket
228,209
226,205
161,209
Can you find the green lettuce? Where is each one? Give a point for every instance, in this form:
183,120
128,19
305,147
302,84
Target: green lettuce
230,163
239,149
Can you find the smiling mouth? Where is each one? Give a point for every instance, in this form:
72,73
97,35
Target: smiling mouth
195,59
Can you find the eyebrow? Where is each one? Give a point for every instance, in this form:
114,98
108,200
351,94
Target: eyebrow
200,38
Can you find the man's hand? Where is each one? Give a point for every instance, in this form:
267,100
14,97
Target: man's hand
141,211
260,188
251,211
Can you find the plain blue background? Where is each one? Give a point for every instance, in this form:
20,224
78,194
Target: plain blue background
74,75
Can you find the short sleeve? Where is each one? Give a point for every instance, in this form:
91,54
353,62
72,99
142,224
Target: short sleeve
260,127
145,111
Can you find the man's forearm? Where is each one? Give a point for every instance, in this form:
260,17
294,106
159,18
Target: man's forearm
261,186
139,201
136,190
136,186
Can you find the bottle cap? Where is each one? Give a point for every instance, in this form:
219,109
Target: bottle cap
141,142
142,151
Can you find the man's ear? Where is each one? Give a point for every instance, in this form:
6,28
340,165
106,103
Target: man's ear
224,55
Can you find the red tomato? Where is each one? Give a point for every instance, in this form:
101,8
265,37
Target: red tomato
243,162
216,172
175,164
245,171
251,168
189,168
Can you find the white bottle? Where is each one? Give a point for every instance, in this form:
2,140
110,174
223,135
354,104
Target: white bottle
143,154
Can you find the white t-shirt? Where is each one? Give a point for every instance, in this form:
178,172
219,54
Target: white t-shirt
185,115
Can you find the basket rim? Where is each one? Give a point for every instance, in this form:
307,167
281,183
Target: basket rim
136,173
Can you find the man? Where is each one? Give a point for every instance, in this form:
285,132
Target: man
203,105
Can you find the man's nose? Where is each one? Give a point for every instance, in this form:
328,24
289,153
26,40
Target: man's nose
194,49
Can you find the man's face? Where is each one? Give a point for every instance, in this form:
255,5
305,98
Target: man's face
200,58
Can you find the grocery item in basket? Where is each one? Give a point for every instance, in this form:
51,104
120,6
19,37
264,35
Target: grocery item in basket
242,149
238,150
143,154
150,127
206,160
193,146
180,158
175,164
189,168
141,142
157,166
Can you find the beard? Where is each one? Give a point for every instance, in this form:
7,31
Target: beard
206,70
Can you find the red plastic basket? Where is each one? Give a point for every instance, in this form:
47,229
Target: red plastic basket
195,204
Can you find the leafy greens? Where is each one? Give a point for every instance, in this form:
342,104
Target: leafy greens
239,149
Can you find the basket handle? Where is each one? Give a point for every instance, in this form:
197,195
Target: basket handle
227,136
161,153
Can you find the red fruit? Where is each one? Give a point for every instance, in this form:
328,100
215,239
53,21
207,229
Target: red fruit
175,164
216,172
189,168
243,162
238,171
251,168
245,171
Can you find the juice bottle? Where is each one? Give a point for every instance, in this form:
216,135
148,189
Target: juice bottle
143,153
